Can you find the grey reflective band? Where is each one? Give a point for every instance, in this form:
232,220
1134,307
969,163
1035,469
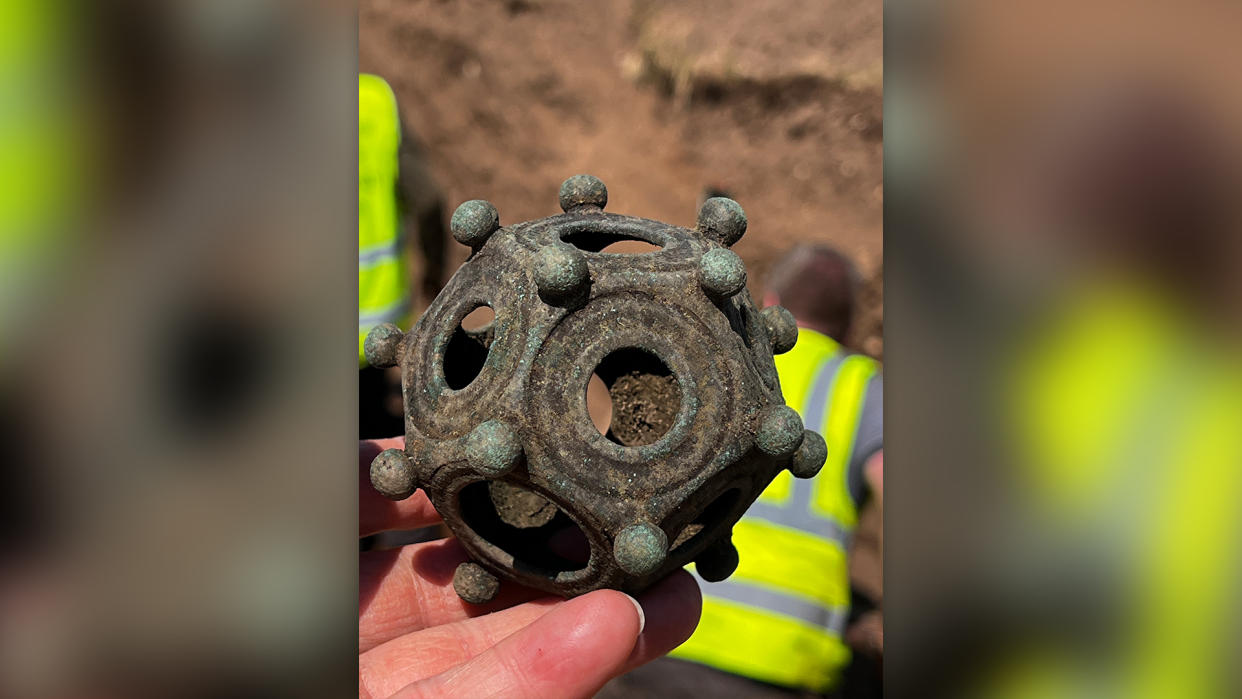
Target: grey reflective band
796,512
832,619
389,314
798,516
379,253
816,407
868,438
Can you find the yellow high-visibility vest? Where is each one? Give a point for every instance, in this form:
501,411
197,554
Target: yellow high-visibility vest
780,617
1125,420
383,276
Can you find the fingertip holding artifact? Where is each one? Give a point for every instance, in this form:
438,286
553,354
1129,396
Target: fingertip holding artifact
642,616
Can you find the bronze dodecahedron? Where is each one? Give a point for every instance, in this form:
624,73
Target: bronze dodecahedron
498,431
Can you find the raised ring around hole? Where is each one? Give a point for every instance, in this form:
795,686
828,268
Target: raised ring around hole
644,397
541,538
468,347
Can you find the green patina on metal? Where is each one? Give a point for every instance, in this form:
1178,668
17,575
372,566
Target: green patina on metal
473,222
561,274
722,219
810,456
780,431
380,345
722,273
493,449
498,430
640,548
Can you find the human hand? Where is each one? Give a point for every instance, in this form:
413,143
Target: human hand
416,638
873,471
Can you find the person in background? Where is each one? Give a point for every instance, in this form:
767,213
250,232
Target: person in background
776,626
398,201
1121,398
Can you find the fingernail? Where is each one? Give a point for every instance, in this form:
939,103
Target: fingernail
642,618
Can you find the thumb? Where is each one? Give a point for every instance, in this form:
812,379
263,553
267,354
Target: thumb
569,652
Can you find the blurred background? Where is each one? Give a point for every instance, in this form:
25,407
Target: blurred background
177,250
1063,257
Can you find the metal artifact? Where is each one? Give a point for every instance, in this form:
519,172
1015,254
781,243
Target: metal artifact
498,431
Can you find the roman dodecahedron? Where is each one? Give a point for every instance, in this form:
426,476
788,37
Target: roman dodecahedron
498,431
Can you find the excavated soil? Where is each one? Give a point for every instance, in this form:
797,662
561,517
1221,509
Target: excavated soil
643,407
774,102
519,507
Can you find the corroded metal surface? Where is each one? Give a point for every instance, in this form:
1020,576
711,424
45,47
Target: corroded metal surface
498,430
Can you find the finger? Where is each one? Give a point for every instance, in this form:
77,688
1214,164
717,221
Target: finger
873,471
569,652
411,588
377,513
672,608
416,656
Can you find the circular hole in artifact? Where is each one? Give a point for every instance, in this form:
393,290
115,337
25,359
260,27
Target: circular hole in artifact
539,535
644,397
467,349
590,238
707,523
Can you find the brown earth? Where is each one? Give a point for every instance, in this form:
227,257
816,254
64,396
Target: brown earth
519,507
643,407
776,102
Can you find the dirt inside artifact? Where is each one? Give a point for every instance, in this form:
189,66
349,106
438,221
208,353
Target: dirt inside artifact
538,534
644,406
519,507
705,523
687,534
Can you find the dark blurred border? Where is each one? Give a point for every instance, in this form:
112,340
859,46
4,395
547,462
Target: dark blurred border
179,372
1062,355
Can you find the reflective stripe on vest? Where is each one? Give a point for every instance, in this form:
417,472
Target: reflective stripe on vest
839,425
383,278
776,648
779,618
